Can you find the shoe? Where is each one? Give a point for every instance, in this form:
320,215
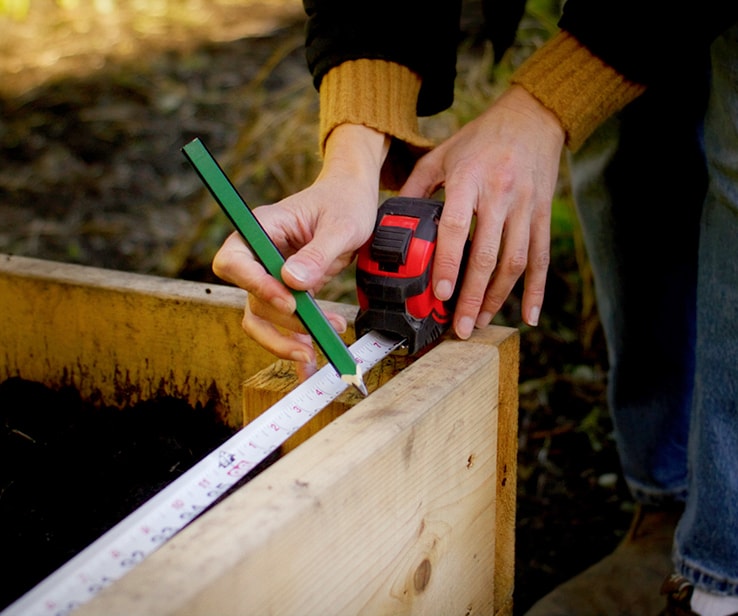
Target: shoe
678,591
626,582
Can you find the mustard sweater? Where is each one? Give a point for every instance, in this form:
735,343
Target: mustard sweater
580,89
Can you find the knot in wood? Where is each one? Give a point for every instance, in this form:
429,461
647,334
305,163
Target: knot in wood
422,575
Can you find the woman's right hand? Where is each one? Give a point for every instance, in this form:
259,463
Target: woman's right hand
318,230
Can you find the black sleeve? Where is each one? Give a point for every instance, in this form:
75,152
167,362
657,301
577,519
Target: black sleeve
418,34
648,40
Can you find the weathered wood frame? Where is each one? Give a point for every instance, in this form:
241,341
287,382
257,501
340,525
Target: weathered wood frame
404,504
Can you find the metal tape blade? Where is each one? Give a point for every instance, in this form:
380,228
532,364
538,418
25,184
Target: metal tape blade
169,511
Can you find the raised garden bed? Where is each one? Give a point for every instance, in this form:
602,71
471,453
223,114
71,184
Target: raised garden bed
404,503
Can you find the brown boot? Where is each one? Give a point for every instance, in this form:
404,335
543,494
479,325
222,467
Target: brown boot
678,591
625,583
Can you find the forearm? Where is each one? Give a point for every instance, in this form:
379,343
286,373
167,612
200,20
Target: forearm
609,52
382,64
383,95
578,87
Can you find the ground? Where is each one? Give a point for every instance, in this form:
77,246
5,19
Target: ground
94,106
45,508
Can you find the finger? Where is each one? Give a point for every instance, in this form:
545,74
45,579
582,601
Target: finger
264,311
511,265
539,257
235,263
453,233
279,342
482,261
305,369
515,260
330,250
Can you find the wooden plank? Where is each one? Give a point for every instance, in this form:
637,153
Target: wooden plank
387,510
507,342
121,337
270,384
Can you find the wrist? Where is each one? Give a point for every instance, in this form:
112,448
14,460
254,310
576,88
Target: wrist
518,98
576,85
357,150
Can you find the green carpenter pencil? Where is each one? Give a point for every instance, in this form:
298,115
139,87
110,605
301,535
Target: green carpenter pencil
243,219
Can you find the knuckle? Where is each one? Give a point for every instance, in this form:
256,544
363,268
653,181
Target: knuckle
254,309
493,301
504,181
505,177
247,322
534,293
541,260
312,255
507,180
445,262
469,304
472,296
454,223
516,263
484,259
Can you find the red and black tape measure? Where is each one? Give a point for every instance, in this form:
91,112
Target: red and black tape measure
393,274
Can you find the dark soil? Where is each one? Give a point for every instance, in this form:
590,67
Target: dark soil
70,471
93,111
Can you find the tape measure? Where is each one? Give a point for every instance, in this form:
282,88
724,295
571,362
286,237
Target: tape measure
130,541
393,275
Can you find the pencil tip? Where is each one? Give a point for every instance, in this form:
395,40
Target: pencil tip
356,380
362,388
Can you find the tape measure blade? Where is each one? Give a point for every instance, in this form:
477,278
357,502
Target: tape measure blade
147,528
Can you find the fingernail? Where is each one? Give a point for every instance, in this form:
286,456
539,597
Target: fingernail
533,315
301,356
465,327
484,319
297,271
444,289
339,325
305,371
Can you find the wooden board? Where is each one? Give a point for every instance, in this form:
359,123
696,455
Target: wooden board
270,384
120,337
403,504
390,509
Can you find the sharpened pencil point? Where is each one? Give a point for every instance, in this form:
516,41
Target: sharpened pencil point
356,380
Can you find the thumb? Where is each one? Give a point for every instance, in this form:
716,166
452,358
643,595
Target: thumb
330,250
425,178
306,268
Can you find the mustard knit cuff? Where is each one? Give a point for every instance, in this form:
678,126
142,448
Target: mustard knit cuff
578,87
376,93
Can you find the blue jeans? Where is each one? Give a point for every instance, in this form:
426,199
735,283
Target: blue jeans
657,194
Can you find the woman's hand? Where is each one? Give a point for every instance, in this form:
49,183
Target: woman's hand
318,230
502,169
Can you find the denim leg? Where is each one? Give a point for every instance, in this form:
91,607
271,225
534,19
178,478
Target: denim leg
707,536
639,183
